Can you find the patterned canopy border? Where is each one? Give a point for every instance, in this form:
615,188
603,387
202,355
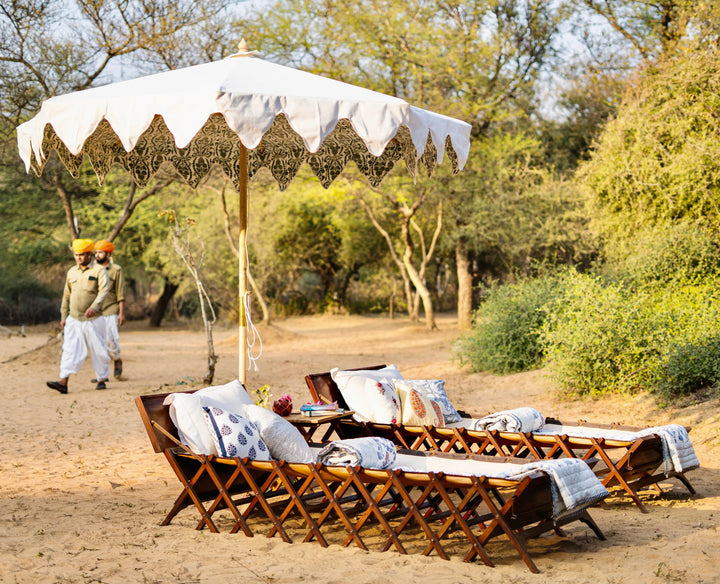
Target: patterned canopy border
281,151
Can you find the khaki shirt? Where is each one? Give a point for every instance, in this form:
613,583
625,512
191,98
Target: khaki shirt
84,288
116,292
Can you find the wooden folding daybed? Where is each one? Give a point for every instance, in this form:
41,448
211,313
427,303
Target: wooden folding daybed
408,511
628,465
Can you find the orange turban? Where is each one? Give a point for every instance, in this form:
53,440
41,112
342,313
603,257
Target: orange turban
104,245
82,245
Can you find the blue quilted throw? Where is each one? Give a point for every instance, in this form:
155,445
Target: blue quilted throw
368,452
574,484
678,451
517,420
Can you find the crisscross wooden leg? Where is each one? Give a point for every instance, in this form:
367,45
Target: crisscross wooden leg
614,470
457,516
296,501
333,499
414,511
499,521
373,508
188,491
224,495
259,498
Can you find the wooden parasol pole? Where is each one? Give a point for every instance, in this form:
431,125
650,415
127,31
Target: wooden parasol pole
242,260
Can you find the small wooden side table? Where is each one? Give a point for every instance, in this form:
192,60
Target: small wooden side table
309,425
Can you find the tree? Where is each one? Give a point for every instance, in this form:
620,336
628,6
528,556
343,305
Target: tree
51,47
659,161
476,60
658,27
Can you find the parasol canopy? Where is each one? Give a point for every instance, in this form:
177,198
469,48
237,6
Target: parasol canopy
241,113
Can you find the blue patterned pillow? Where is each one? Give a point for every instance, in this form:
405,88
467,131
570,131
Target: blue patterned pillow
235,436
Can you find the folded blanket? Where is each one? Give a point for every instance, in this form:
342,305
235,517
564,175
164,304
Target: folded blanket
574,484
678,451
369,452
517,420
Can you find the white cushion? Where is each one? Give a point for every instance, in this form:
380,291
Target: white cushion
284,440
362,395
418,410
186,412
435,390
234,435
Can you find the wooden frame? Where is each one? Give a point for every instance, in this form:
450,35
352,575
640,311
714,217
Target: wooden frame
407,511
629,465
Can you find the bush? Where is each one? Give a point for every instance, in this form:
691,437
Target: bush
690,359
599,338
671,254
505,334
606,338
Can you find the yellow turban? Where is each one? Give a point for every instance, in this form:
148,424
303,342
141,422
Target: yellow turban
82,245
104,245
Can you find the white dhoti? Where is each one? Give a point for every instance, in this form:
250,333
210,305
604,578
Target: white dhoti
79,338
112,335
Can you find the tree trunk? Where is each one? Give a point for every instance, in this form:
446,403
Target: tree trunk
464,301
65,197
161,305
423,292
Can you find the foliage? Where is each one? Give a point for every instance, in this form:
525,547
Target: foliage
475,60
659,160
599,338
665,255
690,355
513,212
507,324
604,338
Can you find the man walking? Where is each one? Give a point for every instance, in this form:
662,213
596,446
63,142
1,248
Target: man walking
86,286
113,311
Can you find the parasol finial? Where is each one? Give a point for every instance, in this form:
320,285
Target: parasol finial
244,50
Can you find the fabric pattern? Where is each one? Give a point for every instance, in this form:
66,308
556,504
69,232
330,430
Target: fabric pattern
574,484
361,393
367,452
435,390
418,410
235,436
678,451
517,420
281,151
186,412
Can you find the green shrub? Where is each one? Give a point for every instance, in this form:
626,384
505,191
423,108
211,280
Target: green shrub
604,338
505,334
599,338
690,357
668,254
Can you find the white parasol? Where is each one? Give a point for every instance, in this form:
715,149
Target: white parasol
241,113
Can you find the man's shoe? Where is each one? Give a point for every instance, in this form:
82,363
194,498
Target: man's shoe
57,386
100,385
118,369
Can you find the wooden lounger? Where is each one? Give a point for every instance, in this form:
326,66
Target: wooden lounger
629,465
411,511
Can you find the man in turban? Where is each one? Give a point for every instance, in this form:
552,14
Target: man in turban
86,286
113,311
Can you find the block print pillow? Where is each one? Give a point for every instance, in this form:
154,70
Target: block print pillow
186,412
383,401
418,410
435,390
235,436
363,397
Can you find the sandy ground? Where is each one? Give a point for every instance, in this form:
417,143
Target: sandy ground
82,493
